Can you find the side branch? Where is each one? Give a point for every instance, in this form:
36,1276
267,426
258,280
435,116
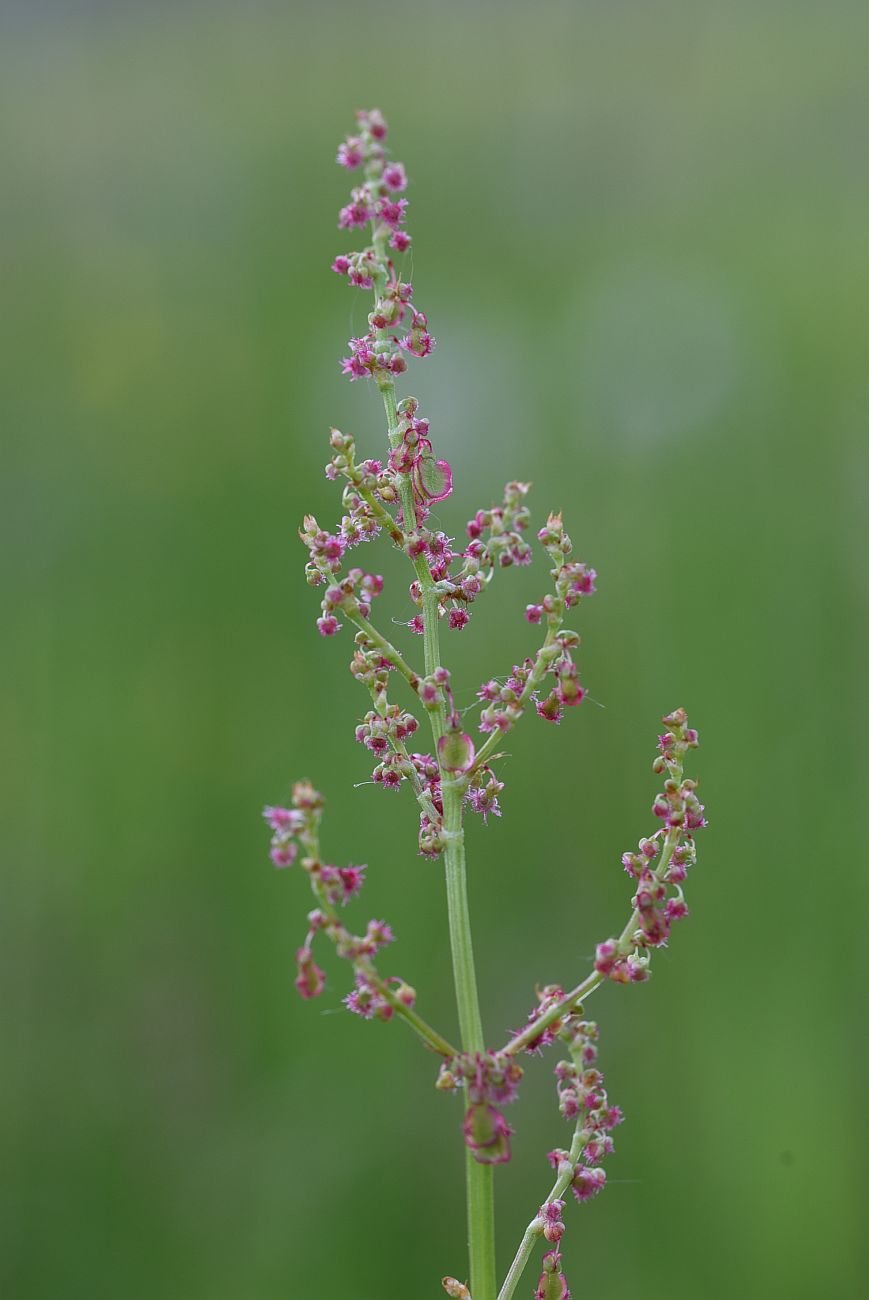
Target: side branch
544,657
566,1173
386,648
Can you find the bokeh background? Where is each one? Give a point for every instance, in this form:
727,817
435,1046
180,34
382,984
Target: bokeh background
641,238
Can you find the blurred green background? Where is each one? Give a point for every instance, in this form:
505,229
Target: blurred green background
641,238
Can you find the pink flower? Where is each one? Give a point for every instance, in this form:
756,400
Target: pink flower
351,153
550,708
459,618
372,120
328,625
553,1228
352,880
341,265
392,211
283,851
606,956
394,176
378,935
418,342
310,980
281,819
587,1183
400,241
357,213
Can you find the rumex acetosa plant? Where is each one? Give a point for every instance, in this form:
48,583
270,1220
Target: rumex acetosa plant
452,775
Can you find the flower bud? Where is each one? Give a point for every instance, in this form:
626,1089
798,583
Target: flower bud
310,980
487,1133
405,994
457,1290
446,1080
552,1284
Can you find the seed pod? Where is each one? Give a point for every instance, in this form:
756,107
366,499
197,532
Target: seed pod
456,751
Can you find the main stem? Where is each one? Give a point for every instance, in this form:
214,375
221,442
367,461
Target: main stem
480,1191
478,1177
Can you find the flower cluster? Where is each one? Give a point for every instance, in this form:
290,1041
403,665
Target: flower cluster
396,327
370,998
495,535
377,731
661,862
505,702
370,489
494,541
582,1098
294,830
547,998
573,579
491,1080
353,593
386,728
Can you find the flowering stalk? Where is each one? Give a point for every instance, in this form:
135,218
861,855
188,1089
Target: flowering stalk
393,497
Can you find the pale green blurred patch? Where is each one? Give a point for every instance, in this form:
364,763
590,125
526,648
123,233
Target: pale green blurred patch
641,237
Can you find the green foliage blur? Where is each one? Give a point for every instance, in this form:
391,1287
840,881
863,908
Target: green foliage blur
640,233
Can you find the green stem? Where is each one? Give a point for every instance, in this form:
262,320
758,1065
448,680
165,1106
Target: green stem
481,1205
535,1227
595,979
425,1031
481,1213
535,677
386,648
429,1036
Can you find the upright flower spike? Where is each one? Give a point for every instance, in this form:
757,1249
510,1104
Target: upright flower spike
390,495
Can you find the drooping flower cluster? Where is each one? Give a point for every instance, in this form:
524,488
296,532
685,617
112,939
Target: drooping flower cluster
583,1099
491,1080
661,862
296,829
396,327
